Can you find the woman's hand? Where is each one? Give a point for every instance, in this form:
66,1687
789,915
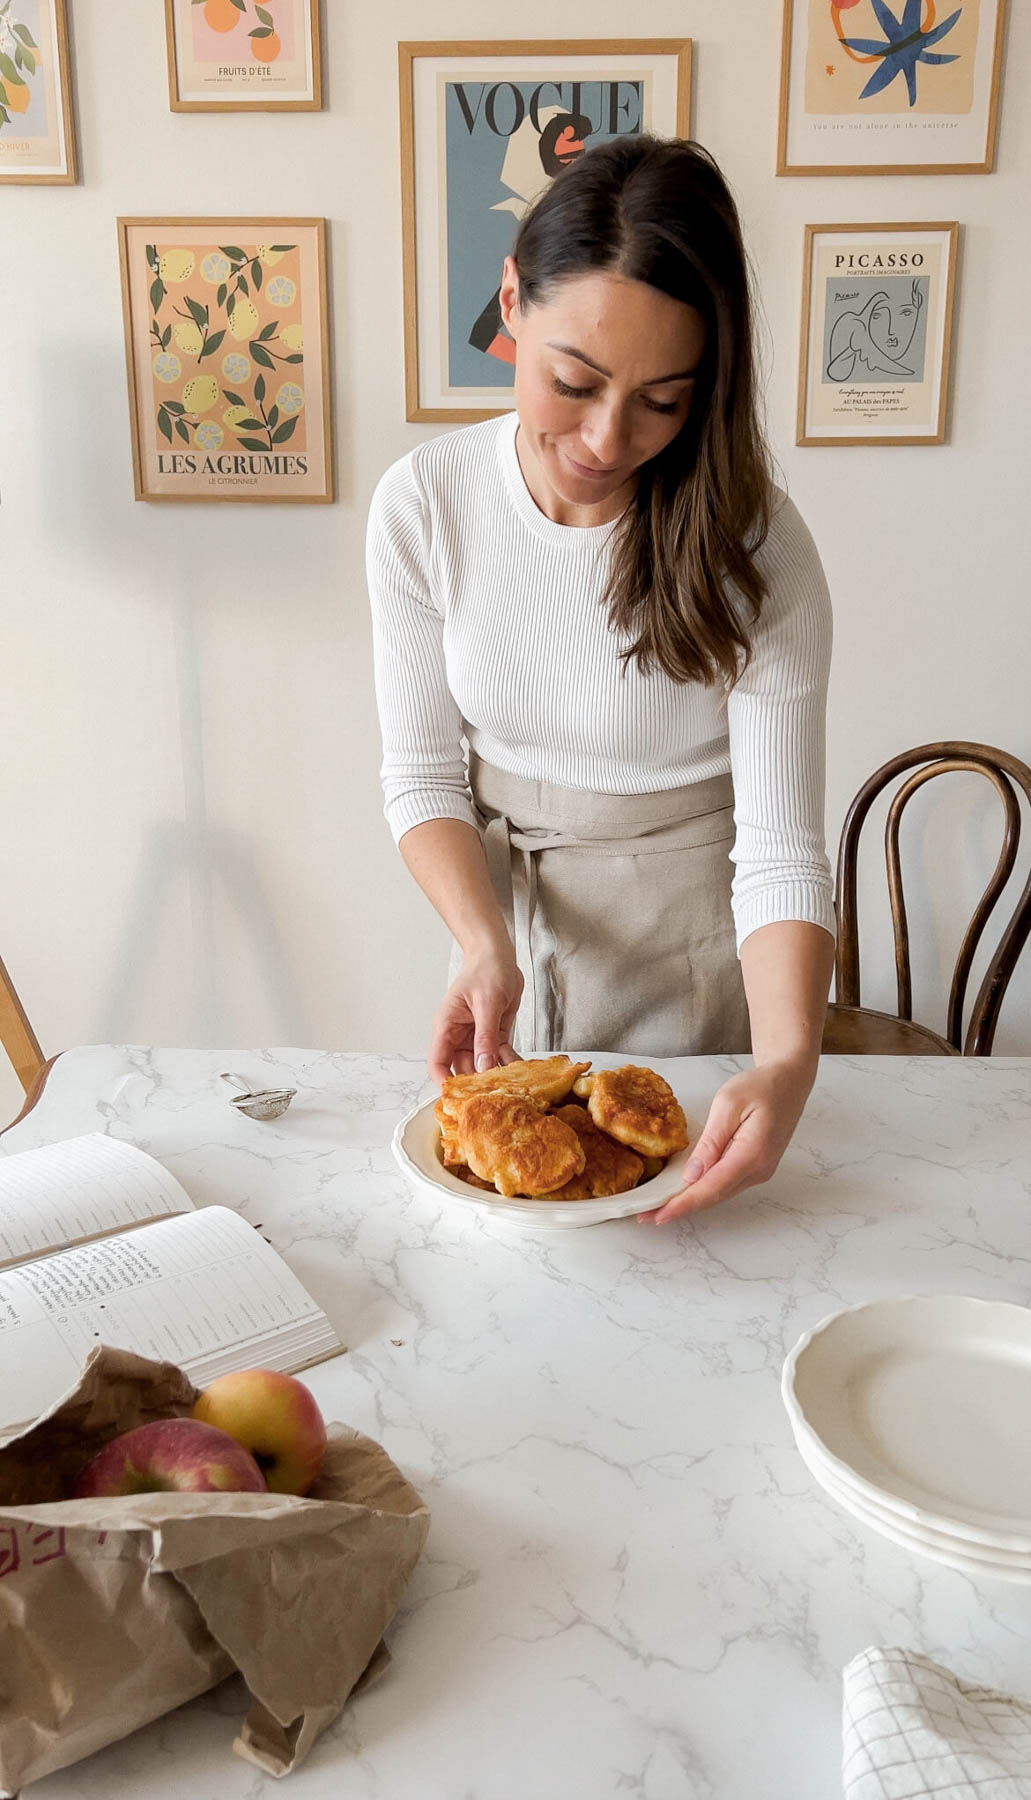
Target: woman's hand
473,1024
750,1124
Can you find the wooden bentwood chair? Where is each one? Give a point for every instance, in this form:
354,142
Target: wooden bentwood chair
16,1034
853,1028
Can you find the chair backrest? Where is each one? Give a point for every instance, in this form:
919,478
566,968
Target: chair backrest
17,1035
1002,770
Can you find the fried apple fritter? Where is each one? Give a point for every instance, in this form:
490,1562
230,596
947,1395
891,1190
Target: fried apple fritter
610,1168
638,1108
523,1151
450,1148
464,1173
653,1165
543,1081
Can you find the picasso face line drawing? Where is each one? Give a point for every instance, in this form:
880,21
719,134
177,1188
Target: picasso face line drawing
875,340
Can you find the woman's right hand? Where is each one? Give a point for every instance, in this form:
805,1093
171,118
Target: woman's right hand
473,1023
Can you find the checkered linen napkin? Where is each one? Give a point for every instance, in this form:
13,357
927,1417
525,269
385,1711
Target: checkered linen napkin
911,1729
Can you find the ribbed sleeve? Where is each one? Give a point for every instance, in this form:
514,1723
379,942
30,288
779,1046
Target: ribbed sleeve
490,627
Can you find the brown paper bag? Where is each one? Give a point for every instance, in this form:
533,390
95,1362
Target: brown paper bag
113,1611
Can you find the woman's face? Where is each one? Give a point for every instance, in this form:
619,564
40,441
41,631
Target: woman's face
605,372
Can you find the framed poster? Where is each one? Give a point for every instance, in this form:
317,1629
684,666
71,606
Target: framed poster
243,55
876,331
889,87
37,137
484,128
227,353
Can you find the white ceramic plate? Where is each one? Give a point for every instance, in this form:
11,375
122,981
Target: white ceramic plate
416,1147
922,1405
970,1559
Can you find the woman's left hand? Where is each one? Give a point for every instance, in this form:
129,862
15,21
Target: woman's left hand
749,1127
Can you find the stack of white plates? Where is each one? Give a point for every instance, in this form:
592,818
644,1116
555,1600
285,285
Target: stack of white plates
915,1416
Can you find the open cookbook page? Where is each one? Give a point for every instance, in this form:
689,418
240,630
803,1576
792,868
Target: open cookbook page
203,1290
84,1188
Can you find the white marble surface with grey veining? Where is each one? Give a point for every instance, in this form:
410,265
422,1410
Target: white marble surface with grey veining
632,1587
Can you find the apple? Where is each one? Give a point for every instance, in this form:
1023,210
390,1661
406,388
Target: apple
171,1456
275,1418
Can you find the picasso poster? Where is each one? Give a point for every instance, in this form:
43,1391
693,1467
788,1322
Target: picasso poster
37,139
876,331
889,87
484,129
227,354
243,55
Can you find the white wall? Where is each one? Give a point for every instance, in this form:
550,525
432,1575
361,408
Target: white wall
193,849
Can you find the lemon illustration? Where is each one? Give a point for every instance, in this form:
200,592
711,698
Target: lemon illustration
176,265
216,267
292,335
233,415
209,435
188,336
200,394
280,291
236,368
244,322
290,398
269,256
166,366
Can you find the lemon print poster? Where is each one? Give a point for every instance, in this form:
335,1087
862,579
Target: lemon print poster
227,354
37,142
224,55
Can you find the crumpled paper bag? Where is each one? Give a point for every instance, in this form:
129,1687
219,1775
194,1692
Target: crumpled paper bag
113,1611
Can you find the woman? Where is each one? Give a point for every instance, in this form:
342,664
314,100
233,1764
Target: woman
606,597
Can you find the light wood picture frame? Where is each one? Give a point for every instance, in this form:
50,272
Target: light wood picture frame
227,358
877,306
243,55
484,127
37,125
889,87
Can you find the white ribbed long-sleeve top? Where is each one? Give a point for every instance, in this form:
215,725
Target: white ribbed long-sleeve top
490,625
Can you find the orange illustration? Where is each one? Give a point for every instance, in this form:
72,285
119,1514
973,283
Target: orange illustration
221,15
265,49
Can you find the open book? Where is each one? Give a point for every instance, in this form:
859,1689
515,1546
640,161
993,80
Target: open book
99,1243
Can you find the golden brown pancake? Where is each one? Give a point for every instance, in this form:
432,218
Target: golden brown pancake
610,1168
507,1140
638,1108
542,1080
464,1173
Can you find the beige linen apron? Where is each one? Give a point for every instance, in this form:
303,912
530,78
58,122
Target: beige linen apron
619,909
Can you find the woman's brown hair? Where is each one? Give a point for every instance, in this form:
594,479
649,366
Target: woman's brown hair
685,586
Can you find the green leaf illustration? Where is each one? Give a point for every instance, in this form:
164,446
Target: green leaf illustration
173,406
256,273
220,297
252,424
264,15
166,337
152,257
285,431
233,399
296,357
157,293
273,417
259,389
164,424
284,247
181,429
264,31
252,444
9,71
26,36
267,331
232,252
261,356
240,5
230,303
214,343
199,313
242,285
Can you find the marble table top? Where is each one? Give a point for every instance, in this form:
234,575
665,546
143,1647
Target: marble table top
632,1587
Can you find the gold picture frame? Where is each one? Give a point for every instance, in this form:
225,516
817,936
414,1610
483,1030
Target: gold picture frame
877,305
887,87
484,126
37,124
228,359
260,57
